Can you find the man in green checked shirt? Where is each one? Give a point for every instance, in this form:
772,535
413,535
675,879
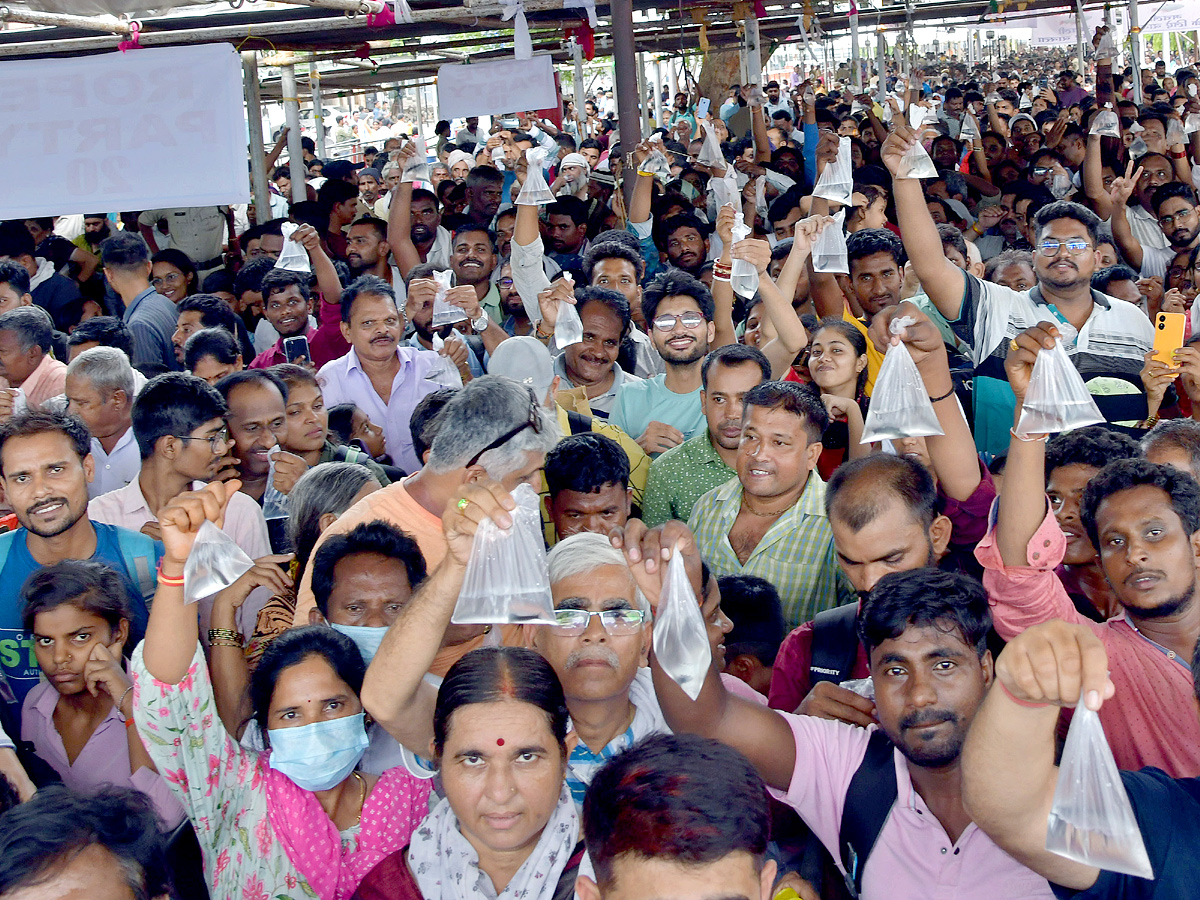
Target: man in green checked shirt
684,474
770,520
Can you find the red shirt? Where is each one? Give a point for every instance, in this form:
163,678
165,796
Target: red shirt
325,342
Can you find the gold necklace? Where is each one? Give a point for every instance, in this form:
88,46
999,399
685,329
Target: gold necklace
754,512
362,799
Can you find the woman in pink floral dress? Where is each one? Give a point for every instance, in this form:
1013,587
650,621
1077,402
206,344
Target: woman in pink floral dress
299,821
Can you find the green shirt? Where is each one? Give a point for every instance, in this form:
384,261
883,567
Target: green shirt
680,477
796,554
332,452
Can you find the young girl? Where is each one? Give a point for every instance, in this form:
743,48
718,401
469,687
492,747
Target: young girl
838,365
80,718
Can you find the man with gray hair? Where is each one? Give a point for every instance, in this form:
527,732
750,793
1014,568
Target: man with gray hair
100,389
493,428
30,372
1174,442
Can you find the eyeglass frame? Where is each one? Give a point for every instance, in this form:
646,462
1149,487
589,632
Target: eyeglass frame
169,278
533,422
221,436
1059,245
677,319
576,630
1169,220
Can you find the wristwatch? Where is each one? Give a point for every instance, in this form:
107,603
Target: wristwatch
479,326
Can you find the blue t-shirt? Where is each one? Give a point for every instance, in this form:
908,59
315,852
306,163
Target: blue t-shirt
18,664
639,403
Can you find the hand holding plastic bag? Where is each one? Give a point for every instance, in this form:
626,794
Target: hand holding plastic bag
293,257
1175,132
1092,821
743,275
1191,124
214,563
507,581
837,180
829,253
710,151
568,328
535,191
1106,124
900,407
445,313
656,163
1056,399
416,166
916,163
444,372
680,637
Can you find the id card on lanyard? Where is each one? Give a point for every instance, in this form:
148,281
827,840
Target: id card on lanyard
1068,332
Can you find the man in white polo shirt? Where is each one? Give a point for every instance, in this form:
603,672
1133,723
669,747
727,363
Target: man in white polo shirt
100,390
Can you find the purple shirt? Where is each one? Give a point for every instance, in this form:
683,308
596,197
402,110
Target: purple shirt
913,856
104,759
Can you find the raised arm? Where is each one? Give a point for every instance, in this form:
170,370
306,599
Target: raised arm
643,187
944,282
394,690
399,230
328,282
1008,771
1118,196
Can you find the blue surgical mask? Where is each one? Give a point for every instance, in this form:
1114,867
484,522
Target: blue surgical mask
319,755
366,638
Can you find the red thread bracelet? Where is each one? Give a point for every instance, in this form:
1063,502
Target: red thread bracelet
1017,700
167,579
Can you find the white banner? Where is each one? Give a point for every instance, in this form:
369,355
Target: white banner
148,129
499,86
1059,30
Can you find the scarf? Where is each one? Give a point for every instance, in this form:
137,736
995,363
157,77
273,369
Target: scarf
446,866
312,842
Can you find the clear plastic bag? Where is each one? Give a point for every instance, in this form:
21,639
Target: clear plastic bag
444,372
1191,124
837,180
535,191
920,116
829,252
710,151
568,328
900,406
1092,821
1106,124
507,581
416,167
656,163
1175,133
1138,148
743,276
1106,48
214,564
1057,399
445,313
680,637
916,163
725,189
864,687
969,130
293,257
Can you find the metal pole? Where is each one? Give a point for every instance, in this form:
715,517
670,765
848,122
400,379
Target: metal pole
641,89
658,106
881,67
577,56
291,115
754,63
420,111
1135,46
856,75
624,62
672,80
88,23
1079,39
314,82
258,159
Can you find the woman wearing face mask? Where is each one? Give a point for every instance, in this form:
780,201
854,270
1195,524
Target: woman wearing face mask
78,718
838,365
308,424
299,820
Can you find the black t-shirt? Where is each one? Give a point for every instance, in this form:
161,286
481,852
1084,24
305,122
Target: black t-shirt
1168,814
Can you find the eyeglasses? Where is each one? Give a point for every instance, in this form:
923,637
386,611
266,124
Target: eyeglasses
533,423
1042,170
667,321
574,622
218,441
504,284
1075,246
1169,220
169,278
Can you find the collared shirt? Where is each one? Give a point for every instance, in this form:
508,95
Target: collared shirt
602,405
151,318
117,469
48,379
650,400
344,381
680,477
477,368
199,231
1145,227
274,355
913,856
491,303
796,554
1151,719
104,759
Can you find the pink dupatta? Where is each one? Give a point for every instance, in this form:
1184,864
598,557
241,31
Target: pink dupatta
393,809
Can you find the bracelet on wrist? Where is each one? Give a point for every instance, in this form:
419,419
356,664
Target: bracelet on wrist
224,634
1031,439
120,702
949,393
544,335
164,578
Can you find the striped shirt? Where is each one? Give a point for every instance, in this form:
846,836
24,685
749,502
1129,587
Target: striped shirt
796,554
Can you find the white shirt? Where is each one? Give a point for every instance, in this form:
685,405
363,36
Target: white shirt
344,381
1145,228
117,469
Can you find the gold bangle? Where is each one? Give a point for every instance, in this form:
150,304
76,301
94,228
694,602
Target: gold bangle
224,634
234,644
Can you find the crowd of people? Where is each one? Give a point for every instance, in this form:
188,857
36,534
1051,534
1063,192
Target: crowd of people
655,340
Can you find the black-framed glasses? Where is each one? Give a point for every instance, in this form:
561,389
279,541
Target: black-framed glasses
574,622
667,321
218,440
533,422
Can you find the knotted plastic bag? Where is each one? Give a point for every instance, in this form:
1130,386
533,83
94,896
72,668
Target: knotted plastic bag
900,407
443,372
1191,124
214,564
1092,821
1106,48
535,191
916,163
445,313
1138,148
507,581
743,275
680,638
969,130
710,151
1056,399
829,252
1106,124
837,180
416,167
568,327
293,257
1175,133
656,163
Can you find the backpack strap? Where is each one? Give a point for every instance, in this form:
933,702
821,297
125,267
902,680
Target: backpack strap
565,890
834,644
580,424
869,801
141,558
